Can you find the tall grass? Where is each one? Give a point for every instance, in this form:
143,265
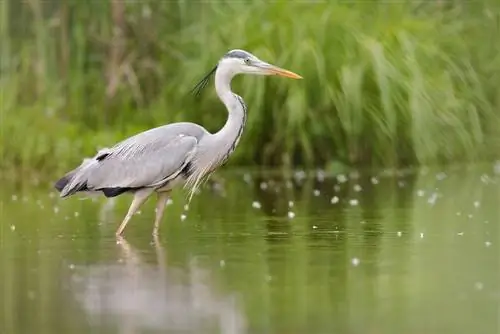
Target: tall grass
384,84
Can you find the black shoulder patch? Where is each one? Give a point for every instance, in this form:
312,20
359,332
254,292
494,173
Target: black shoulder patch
102,156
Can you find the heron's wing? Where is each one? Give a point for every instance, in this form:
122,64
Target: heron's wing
140,161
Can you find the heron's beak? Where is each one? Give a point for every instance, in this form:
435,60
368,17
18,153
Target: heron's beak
275,70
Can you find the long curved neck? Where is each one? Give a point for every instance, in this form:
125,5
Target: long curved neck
228,137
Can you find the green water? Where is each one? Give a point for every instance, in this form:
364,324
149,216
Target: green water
415,252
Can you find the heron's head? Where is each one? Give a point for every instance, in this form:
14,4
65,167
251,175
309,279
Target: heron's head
243,62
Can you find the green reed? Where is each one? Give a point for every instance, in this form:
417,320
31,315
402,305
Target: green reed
384,84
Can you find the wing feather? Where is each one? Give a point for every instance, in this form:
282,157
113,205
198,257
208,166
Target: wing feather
145,160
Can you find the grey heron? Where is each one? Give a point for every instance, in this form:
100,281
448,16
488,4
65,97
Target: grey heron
184,153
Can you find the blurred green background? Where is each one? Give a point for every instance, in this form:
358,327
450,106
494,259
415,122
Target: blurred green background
385,83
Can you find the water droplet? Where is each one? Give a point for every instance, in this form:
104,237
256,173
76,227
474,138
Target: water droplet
432,200
487,243
420,193
341,178
291,214
478,286
170,201
460,233
14,198
334,200
357,188
374,180
12,227
290,204
399,233
316,192
353,202
183,217
256,205
186,207
355,261
56,209
222,263
76,214
421,235
336,188
477,204
263,185
315,227
441,176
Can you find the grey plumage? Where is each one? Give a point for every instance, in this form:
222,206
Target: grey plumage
159,159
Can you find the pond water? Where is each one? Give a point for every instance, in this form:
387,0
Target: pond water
372,252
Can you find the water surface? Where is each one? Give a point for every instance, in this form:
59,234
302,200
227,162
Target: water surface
372,252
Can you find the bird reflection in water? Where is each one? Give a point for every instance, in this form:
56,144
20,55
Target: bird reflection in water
134,296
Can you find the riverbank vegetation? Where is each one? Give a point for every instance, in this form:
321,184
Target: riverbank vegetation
384,84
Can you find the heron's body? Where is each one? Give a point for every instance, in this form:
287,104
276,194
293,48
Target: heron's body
160,159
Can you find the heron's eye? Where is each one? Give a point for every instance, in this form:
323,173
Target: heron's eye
247,61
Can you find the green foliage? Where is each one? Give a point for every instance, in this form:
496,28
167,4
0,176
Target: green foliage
384,84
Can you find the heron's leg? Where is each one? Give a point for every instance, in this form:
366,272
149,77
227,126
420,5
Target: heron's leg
160,208
140,197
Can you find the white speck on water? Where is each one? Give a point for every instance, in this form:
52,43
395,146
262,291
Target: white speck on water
289,184
291,214
315,227
441,176
374,180
341,178
14,197
477,204
222,263
183,217
320,175
401,184
12,227
432,200
399,233
290,204
362,222
263,185
170,201
256,205
421,235
336,188
459,213
186,207
56,209
71,266
487,243
420,193
316,192
357,188
76,214
52,194
247,178
355,261
478,286
334,200
353,202
470,216
138,212
460,233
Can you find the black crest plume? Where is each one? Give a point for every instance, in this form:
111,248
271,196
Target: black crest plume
203,83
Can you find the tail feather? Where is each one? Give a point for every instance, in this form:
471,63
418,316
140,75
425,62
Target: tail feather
67,187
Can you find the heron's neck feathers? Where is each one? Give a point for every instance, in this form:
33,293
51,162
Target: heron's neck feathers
230,133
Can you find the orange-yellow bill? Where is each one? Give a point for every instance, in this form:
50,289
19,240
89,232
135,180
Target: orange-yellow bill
284,73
